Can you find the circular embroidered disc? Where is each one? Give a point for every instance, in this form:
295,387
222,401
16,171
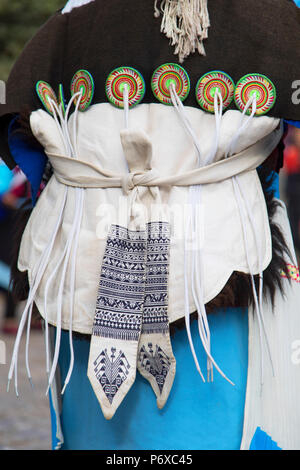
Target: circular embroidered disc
118,79
259,85
164,76
46,93
83,81
207,87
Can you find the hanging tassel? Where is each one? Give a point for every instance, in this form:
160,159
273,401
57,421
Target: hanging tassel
185,23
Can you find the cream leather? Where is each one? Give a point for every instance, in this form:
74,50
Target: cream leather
105,151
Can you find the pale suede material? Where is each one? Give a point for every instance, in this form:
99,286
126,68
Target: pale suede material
171,155
274,404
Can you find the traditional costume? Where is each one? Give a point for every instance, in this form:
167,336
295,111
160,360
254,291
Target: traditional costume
163,127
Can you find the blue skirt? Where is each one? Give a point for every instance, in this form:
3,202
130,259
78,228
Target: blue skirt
197,416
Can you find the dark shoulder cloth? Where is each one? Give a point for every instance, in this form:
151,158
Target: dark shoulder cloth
245,37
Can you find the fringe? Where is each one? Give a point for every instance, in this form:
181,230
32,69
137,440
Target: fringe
185,23
238,290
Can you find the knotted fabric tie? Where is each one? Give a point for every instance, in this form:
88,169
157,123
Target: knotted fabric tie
131,325
132,180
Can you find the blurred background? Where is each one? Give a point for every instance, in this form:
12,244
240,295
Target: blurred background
19,20
25,422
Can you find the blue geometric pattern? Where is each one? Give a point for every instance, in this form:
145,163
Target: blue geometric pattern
133,299
152,358
120,301
155,313
157,363
111,371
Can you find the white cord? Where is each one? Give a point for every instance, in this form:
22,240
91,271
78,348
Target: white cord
244,206
186,294
57,112
243,220
43,262
27,345
193,227
53,238
72,289
65,257
260,263
197,291
198,268
79,195
36,282
218,106
242,125
75,118
179,107
126,105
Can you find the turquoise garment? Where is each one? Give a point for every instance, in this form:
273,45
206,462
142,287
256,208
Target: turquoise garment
197,415
274,187
55,441
262,441
4,276
6,177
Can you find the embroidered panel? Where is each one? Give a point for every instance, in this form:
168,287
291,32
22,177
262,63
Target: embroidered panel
120,298
155,362
293,273
155,313
132,305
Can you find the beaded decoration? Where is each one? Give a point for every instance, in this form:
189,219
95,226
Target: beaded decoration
255,84
162,79
116,82
207,87
293,273
83,81
46,93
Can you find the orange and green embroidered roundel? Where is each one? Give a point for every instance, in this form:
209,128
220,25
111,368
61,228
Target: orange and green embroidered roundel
168,74
211,83
118,79
258,85
83,82
47,96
